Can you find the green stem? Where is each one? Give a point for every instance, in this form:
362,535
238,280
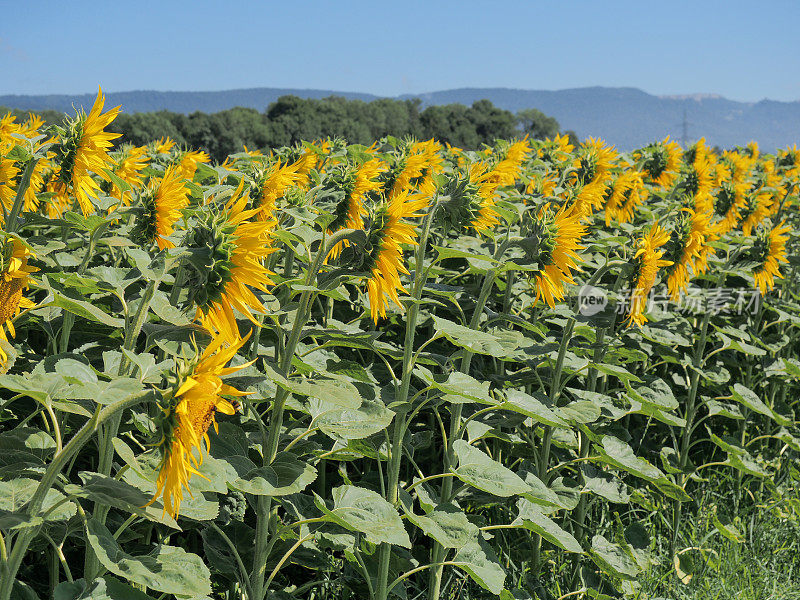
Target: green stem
270,450
691,412
109,430
437,551
399,424
77,442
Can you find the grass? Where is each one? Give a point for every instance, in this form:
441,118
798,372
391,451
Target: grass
764,566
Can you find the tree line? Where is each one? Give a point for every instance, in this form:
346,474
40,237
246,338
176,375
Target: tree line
291,119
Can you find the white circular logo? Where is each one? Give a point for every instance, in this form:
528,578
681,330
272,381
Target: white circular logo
591,300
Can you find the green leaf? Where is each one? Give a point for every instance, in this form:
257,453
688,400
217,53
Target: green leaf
167,569
748,398
613,559
484,473
285,475
481,564
102,588
448,525
531,517
359,509
86,310
533,407
120,495
475,341
354,424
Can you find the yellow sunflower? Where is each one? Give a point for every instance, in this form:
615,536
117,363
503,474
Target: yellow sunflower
162,202
661,162
8,173
83,150
130,164
771,251
386,237
684,249
162,145
188,415
187,166
623,195
728,205
592,166
350,212
14,274
558,236
648,260
506,171
230,246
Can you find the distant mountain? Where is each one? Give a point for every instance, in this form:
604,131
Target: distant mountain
625,117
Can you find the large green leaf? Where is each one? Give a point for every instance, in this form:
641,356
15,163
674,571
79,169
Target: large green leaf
286,474
475,341
613,559
484,473
102,588
533,407
481,564
530,516
352,423
448,525
359,509
167,569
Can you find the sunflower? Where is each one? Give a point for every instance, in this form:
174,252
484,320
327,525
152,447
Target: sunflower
385,259
622,196
162,202
728,205
130,164
770,251
14,275
684,248
756,208
272,184
83,149
506,171
592,173
633,197
350,212
661,162
788,162
162,145
8,173
697,182
482,216
229,248
187,165
648,260
413,169
557,239
187,415
556,150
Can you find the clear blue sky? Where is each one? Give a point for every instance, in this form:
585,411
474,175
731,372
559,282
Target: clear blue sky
741,49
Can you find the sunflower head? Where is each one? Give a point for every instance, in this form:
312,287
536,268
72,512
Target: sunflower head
461,203
212,244
193,395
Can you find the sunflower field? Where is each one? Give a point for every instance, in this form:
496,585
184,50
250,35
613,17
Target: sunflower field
407,370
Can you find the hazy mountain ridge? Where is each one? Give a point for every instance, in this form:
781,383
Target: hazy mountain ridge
625,117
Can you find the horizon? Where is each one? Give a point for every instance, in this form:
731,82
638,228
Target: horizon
71,49
669,96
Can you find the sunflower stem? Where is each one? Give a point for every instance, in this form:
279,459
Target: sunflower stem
12,218
264,506
109,431
20,547
399,424
437,551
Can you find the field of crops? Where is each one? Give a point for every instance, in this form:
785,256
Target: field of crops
405,370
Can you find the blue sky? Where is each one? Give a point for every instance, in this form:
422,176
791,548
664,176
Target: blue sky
743,50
